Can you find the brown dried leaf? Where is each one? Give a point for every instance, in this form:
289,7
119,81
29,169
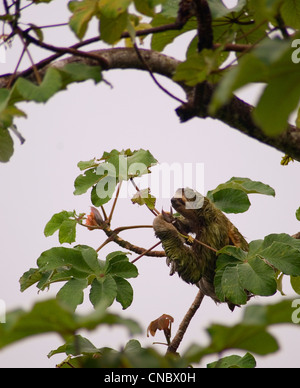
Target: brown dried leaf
164,322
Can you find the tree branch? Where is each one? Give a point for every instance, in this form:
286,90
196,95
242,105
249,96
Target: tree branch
172,348
237,113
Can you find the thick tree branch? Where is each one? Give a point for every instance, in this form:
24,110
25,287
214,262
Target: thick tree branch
237,114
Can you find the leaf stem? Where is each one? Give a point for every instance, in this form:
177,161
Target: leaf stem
114,204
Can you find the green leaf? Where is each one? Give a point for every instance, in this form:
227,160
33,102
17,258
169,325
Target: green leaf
232,196
71,294
69,258
250,334
85,181
83,11
79,72
113,8
28,91
145,7
111,28
170,8
257,277
67,231
122,268
124,292
298,214
104,190
265,9
283,257
246,185
275,121
246,362
161,40
50,316
6,146
252,338
265,315
228,286
254,67
73,345
231,200
143,197
32,276
295,283
84,165
103,290
219,10
290,11
56,221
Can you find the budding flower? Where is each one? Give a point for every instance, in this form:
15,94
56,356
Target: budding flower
94,219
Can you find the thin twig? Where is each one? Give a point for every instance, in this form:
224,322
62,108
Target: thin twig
114,203
145,253
104,213
16,69
188,238
25,45
153,76
172,348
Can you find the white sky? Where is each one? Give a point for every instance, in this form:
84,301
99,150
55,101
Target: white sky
82,123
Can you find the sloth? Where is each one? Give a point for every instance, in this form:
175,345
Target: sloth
194,259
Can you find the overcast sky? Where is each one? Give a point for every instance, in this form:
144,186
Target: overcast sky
82,123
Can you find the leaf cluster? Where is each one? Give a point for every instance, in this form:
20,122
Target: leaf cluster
259,270
79,268
103,175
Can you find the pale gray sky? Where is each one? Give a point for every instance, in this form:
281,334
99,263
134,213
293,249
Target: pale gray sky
85,121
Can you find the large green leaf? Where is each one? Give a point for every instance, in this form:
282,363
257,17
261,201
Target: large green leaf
283,257
71,294
103,290
255,271
52,316
257,277
232,196
228,286
80,268
231,200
